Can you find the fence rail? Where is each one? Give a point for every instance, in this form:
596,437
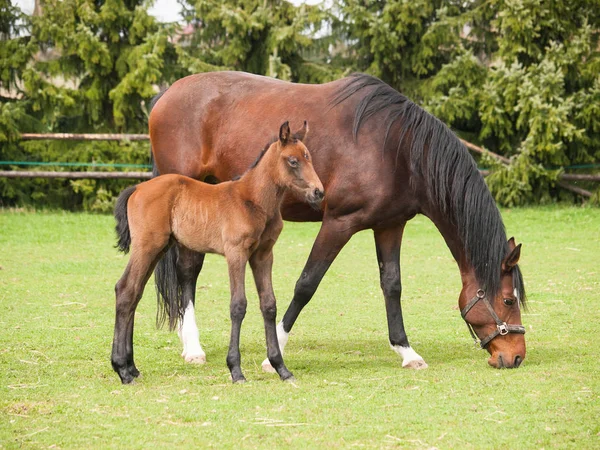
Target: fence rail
73,175
84,137
563,178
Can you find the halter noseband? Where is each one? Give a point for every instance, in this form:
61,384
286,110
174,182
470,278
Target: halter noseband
502,328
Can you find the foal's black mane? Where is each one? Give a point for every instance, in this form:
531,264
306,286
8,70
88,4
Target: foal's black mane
453,184
257,160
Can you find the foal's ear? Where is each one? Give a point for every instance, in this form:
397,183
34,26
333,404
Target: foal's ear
512,258
301,134
284,133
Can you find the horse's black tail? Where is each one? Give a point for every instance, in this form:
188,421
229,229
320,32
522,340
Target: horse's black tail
122,227
169,295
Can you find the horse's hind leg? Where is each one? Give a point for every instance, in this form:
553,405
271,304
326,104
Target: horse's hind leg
262,264
129,290
387,244
189,265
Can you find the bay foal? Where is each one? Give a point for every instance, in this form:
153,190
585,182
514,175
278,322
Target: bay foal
238,219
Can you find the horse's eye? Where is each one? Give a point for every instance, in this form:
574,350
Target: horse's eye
509,301
293,161
306,156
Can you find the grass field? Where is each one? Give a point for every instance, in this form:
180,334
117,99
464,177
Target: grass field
58,390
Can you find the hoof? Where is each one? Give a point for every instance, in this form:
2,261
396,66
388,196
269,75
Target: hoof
128,380
195,359
291,379
240,381
267,367
416,364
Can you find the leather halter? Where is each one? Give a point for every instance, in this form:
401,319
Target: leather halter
502,328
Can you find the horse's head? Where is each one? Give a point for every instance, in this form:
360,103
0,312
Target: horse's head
296,171
496,319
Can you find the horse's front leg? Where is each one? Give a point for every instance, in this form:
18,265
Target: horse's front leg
262,265
189,264
332,237
237,311
387,245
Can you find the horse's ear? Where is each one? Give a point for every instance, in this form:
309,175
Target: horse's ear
301,134
511,244
284,133
512,259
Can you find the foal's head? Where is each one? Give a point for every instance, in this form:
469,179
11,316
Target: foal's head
295,169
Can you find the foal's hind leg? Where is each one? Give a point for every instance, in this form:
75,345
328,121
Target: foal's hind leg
387,244
129,290
262,264
189,265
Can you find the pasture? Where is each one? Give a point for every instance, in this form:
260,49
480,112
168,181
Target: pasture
58,390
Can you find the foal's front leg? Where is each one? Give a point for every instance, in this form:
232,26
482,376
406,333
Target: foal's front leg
237,310
262,266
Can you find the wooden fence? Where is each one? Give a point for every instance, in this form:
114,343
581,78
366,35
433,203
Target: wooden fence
563,178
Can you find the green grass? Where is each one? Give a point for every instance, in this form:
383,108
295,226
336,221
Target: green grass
58,390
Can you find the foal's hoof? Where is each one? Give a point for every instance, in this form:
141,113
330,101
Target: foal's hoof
267,367
416,364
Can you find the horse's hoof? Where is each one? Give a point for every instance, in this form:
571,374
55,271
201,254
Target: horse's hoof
267,367
416,364
240,381
128,380
291,379
195,359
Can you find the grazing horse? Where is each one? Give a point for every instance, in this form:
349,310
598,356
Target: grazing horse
382,160
239,219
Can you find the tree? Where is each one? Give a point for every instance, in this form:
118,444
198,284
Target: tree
526,84
80,66
401,42
266,37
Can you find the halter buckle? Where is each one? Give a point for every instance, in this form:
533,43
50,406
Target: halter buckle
503,329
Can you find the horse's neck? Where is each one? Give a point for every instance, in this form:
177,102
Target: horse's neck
259,186
453,240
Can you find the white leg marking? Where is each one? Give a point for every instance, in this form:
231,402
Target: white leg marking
282,337
410,358
190,337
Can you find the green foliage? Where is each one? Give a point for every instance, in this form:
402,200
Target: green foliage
401,42
533,96
266,37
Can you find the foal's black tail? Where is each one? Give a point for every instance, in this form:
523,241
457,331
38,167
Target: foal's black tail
122,227
169,295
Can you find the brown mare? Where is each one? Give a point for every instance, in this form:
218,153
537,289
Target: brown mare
382,160
238,219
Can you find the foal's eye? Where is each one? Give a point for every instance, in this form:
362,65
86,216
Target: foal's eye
293,161
306,156
509,301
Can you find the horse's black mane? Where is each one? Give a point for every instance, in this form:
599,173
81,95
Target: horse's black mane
453,183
